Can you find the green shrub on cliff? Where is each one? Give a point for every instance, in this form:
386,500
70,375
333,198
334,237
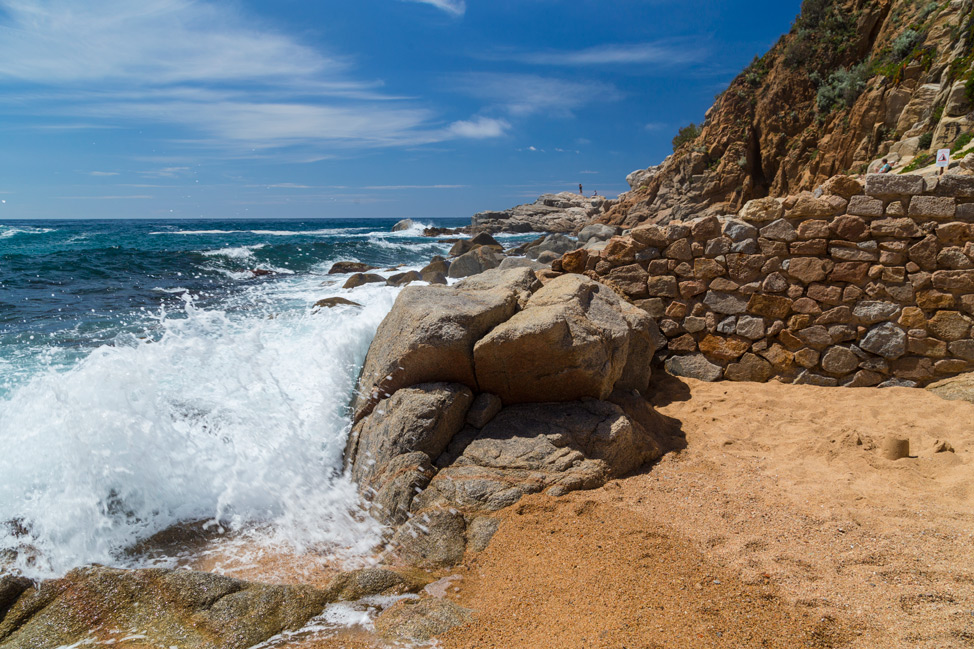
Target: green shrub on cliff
823,33
687,134
905,43
842,88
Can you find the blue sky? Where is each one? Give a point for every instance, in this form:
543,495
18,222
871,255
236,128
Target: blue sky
351,108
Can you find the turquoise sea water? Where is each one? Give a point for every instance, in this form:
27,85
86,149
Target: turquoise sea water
148,377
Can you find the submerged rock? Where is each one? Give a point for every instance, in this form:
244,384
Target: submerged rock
330,302
342,267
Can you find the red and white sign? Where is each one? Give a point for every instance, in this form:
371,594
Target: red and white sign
943,158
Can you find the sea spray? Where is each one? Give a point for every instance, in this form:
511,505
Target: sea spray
234,415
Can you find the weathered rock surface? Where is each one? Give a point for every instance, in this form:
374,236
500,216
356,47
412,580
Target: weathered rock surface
555,447
383,448
958,388
170,608
421,620
430,333
574,338
564,212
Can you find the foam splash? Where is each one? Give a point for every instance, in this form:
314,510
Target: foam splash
239,252
7,231
236,416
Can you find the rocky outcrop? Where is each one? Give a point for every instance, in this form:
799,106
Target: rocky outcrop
957,388
165,608
474,395
564,212
852,82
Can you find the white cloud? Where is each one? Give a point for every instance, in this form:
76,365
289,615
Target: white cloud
399,187
528,94
102,173
479,128
226,81
452,7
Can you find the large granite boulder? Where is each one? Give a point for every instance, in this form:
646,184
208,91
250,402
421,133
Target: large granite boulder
430,333
390,452
475,262
574,338
168,608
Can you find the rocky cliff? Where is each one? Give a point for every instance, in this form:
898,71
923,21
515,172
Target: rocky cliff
853,81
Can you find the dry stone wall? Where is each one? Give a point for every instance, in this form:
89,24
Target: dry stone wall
853,285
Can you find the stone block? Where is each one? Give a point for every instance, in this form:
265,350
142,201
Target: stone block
962,349
751,367
813,229
683,344
724,349
960,281
750,327
838,315
772,248
726,303
724,285
780,230
949,325
694,366
807,269
845,186
902,228
662,286
825,293
807,206
929,347
679,250
871,312
956,186
769,306
811,378
965,212
953,258
816,337
717,247
850,228
738,231
650,235
932,207
706,269
950,366
846,251
839,361
887,186
865,206
705,228
807,358
811,247
692,288
761,210
886,340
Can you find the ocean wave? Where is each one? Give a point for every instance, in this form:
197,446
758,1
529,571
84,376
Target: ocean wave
240,252
232,415
7,231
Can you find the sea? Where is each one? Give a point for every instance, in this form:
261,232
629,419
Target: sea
155,374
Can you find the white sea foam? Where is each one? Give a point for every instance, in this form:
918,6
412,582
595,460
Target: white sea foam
7,231
240,252
233,415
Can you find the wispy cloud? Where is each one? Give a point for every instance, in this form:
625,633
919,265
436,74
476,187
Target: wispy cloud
660,53
101,174
452,7
220,76
479,128
528,94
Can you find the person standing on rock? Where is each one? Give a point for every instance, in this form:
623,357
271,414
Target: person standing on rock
580,189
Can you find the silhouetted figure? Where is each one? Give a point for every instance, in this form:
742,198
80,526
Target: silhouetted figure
580,189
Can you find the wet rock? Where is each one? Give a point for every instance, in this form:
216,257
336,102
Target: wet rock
341,267
421,620
405,224
352,586
361,279
191,610
401,279
330,302
434,538
422,420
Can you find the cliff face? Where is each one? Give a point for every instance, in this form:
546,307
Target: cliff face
853,81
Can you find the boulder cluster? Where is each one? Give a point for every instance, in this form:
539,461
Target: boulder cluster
476,394
851,285
564,212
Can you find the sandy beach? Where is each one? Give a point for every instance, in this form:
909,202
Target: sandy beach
779,525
